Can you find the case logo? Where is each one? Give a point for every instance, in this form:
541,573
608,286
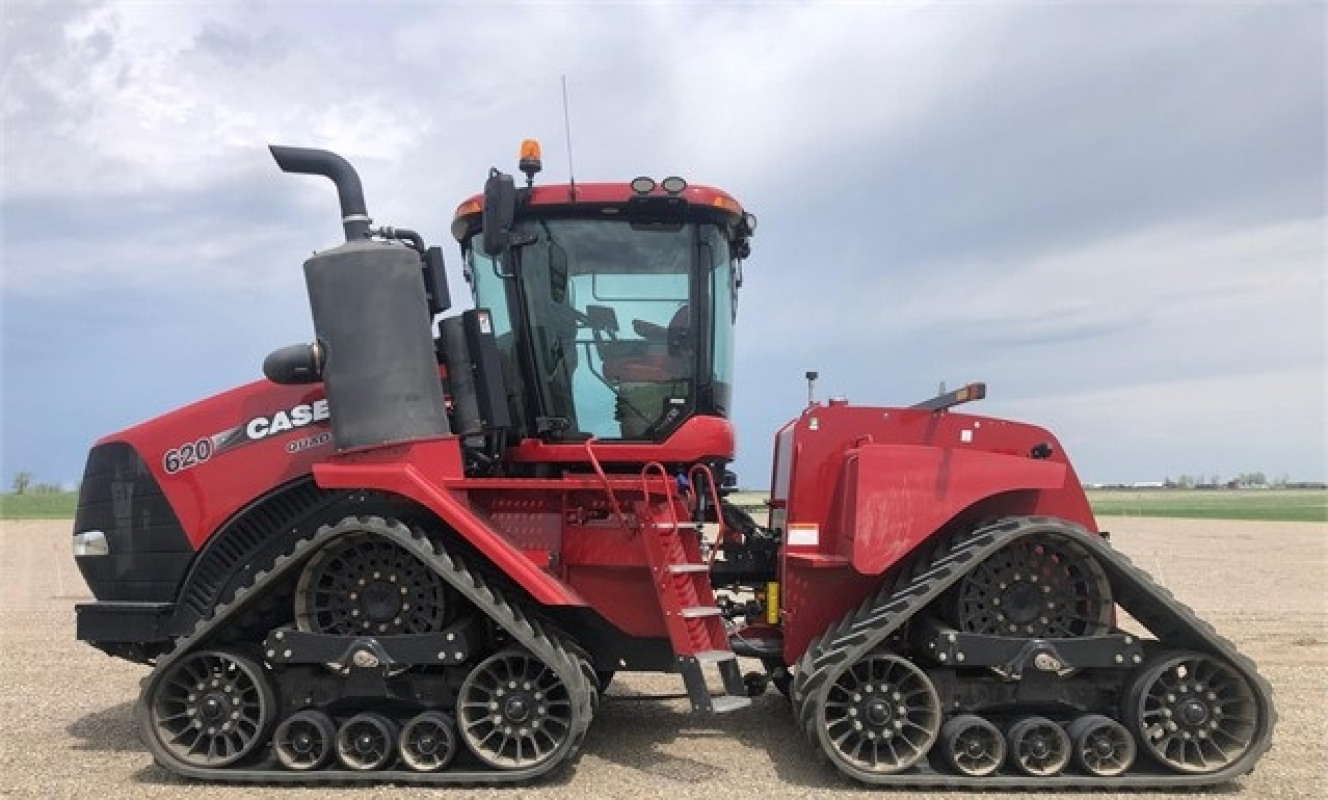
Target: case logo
260,428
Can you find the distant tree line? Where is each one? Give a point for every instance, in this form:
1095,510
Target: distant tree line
23,484
1243,480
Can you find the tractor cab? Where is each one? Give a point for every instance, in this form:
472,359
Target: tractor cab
612,305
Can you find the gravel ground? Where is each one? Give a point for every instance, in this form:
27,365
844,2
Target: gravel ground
68,708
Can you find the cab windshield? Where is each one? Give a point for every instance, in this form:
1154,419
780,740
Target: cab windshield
611,328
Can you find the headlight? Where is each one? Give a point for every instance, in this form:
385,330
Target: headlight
91,543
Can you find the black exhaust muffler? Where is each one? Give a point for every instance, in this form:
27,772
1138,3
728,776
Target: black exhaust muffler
372,320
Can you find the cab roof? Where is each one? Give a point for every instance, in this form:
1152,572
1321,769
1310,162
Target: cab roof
566,197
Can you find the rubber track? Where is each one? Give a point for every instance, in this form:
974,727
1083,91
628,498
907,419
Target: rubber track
882,613
545,644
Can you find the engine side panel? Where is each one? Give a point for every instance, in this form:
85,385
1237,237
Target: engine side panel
213,457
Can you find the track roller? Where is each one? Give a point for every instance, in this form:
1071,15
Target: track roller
1102,746
305,740
427,742
973,746
1193,712
211,708
1038,746
366,741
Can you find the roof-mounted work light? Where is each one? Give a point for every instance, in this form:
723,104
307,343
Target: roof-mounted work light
643,185
673,184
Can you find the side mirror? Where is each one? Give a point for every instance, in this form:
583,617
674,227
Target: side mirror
602,318
499,212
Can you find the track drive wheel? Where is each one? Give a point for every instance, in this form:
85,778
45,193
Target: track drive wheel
305,740
362,583
514,712
1040,586
973,746
1193,712
880,716
211,708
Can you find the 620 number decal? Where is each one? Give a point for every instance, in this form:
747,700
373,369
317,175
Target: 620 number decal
187,455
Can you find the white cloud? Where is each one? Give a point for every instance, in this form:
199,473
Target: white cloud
1099,197
1195,287
1189,426
144,98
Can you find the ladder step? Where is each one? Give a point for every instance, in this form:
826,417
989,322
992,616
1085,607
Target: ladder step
681,526
694,612
714,656
681,569
728,702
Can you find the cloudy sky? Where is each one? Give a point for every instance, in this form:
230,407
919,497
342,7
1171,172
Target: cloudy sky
1114,214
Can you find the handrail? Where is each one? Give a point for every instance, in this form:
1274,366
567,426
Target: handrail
668,488
723,535
608,487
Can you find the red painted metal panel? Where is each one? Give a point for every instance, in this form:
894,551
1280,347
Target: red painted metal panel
898,495
814,598
865,486
625,596
696,439
418,471
257,436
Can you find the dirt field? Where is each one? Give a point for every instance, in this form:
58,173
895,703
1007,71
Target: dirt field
68,709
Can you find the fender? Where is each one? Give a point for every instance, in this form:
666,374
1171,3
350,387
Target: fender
413,471
898,495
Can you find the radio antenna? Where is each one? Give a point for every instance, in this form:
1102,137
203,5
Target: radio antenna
567,127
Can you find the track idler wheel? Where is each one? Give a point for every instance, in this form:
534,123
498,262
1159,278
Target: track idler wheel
880,716
1038,746
973,746
1193,712
305,740
1102,746
366,741
428,742
514,712
211,708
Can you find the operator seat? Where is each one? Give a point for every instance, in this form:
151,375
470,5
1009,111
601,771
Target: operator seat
652,372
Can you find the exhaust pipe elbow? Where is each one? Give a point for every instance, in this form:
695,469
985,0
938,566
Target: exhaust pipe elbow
309,161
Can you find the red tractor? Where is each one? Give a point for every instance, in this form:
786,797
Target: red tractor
418,553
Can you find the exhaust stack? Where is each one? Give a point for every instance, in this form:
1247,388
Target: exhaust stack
374,351
309,161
